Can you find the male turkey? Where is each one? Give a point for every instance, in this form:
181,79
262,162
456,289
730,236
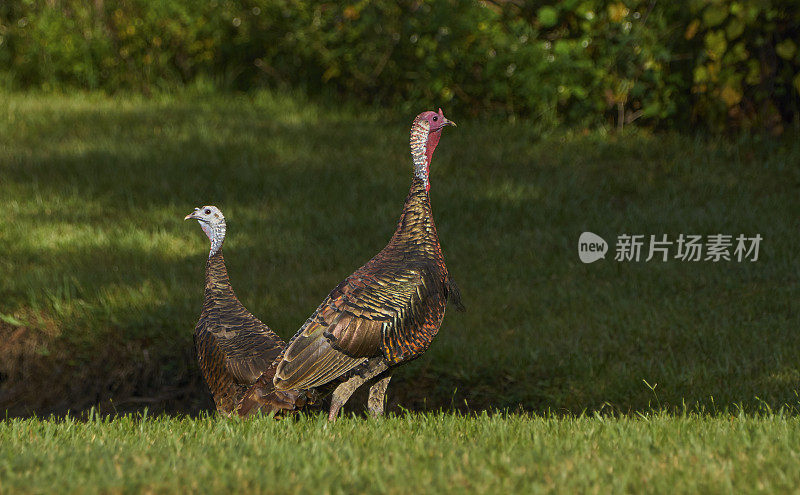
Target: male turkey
233,347
388,311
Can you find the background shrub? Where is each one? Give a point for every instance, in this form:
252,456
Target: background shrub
715,64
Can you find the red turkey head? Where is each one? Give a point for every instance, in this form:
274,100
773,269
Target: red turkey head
436,121
425,133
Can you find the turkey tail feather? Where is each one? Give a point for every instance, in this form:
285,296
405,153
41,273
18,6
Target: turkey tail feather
263,397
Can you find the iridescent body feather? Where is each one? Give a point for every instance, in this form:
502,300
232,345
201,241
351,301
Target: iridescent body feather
388,311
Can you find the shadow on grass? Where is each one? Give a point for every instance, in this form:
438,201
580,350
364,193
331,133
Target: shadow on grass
106,280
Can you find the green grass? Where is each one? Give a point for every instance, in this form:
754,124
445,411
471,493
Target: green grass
414,453
102,279
678,365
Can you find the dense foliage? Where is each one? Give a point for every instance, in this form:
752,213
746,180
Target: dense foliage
574,61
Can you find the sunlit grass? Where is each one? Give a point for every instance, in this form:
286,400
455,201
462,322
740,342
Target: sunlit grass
413,453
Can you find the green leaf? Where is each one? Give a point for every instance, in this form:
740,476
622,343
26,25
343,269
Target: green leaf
651,110
700,74
739,52
786,49
734,29
731,95
716,44
714,15
561,48
548,16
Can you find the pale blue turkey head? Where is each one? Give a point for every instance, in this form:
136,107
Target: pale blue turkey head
212,221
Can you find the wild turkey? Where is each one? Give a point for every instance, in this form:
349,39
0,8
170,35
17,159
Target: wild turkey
388,311
233,347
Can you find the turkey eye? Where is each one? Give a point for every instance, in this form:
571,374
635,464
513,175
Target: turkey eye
207,212
435,118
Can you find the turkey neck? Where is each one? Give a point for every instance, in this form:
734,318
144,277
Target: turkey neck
416,231
218,286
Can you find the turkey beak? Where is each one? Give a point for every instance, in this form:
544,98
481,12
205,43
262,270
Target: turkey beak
191,215
445,120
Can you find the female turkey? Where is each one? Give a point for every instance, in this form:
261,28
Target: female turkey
233,347
388,311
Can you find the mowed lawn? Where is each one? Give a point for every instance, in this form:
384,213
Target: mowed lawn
615,376
414,453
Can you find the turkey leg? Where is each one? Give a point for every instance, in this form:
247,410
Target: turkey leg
346,389
377,396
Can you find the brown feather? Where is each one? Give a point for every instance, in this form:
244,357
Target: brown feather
234,348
